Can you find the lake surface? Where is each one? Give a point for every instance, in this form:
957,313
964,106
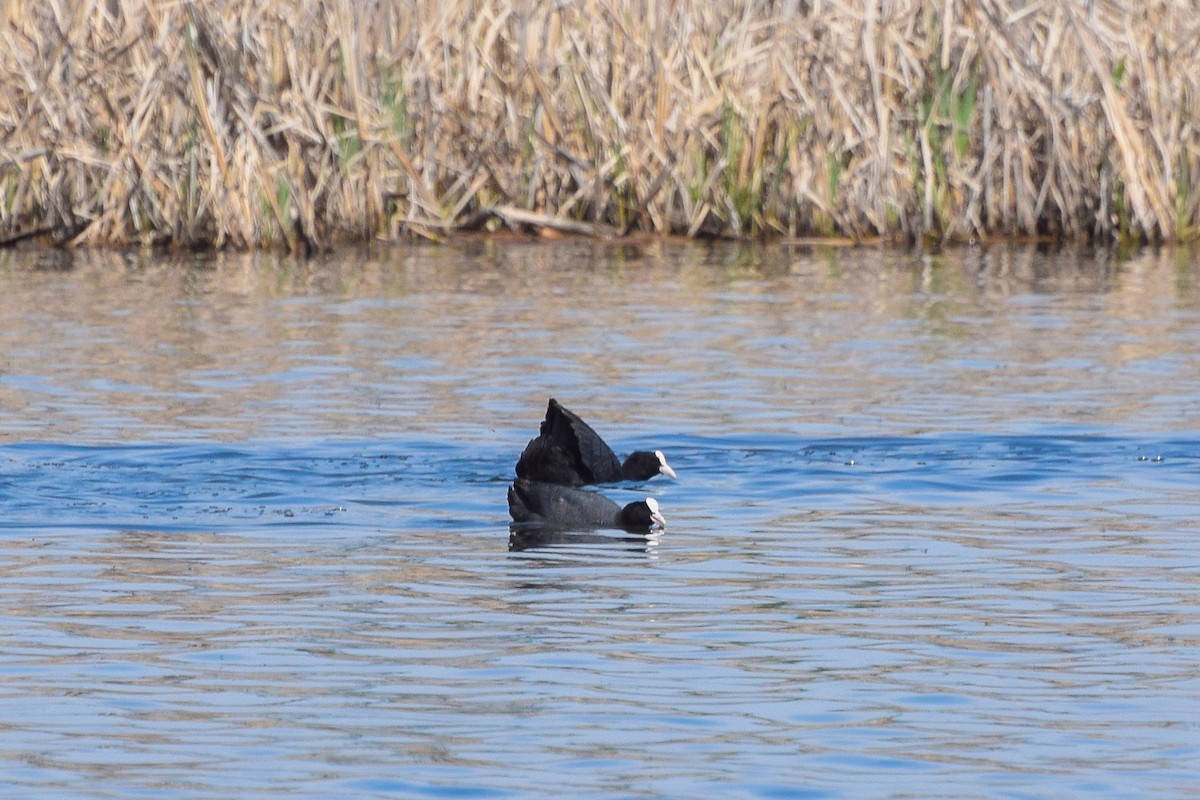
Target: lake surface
936,531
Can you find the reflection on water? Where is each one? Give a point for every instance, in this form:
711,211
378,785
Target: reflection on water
525,538
934,532
424,338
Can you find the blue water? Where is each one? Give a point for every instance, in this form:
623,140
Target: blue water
934,534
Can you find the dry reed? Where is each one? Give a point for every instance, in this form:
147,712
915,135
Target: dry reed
245,124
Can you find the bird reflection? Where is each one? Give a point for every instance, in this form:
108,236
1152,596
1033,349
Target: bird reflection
532,538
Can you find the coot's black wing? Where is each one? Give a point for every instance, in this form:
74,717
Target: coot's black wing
545,461
559,506
595,460
568,452
519,504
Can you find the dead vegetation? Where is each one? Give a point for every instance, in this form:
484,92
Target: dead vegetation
296,124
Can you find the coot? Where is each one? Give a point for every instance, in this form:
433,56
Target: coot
563,507
567,451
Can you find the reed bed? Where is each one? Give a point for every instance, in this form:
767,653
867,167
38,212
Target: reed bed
297,124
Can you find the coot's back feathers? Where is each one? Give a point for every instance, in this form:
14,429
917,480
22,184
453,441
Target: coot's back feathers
567,451
551,462
563,507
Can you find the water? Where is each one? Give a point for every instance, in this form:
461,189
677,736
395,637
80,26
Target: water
935,533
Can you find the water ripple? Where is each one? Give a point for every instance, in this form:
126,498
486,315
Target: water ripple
935,532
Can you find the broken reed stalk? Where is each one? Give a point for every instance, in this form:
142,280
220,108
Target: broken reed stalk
291,123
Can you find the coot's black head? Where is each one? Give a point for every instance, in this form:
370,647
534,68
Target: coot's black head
641,466
644,515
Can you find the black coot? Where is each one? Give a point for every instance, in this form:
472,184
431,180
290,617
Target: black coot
567,451
562,507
